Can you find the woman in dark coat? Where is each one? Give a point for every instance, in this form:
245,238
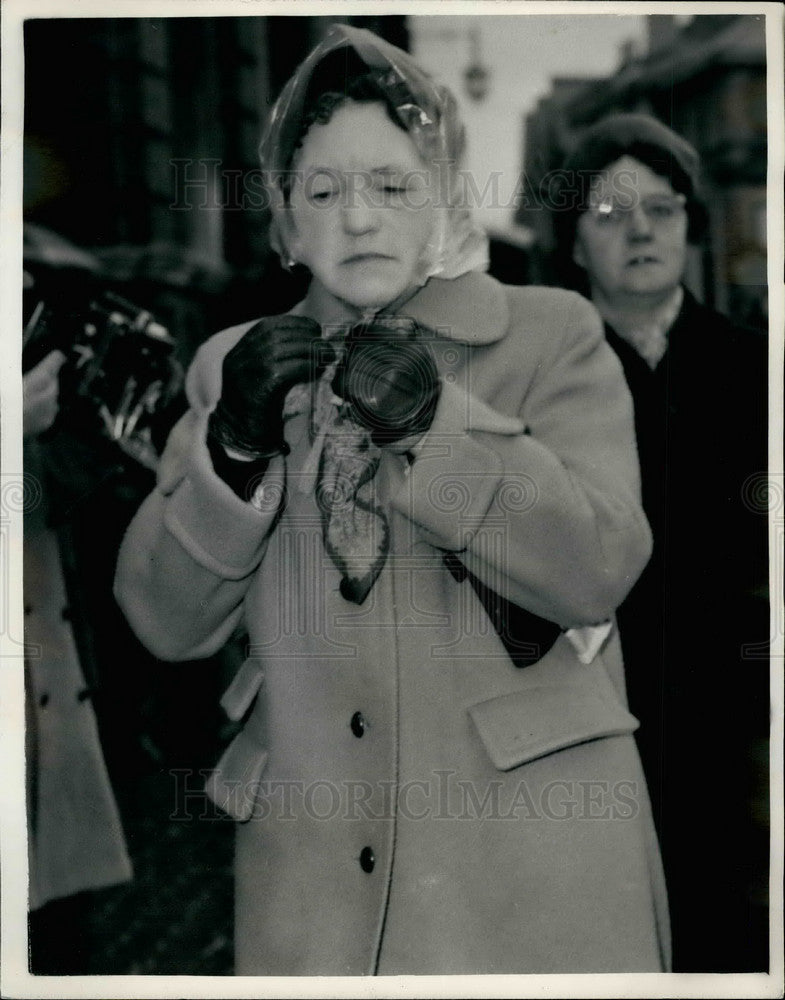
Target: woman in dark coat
411,796
694,629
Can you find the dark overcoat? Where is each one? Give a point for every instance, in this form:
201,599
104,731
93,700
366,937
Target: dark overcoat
409,801
695,630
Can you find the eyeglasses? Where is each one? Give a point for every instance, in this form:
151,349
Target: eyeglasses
660,210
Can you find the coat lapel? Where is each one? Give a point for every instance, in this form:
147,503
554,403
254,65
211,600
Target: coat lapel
472,309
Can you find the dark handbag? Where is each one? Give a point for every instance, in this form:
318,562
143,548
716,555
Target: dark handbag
526,636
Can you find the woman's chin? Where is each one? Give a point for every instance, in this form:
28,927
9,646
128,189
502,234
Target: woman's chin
370,302
361,297
374,300
372,296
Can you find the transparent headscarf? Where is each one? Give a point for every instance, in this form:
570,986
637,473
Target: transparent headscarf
426,110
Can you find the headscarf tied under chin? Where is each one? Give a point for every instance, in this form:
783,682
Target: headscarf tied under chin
342,465
426,110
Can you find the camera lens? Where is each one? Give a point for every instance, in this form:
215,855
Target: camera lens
390,385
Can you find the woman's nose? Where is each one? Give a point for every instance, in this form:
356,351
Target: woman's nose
639,225
359,218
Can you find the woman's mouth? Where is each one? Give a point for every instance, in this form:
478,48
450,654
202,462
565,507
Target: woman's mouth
361,258
642,258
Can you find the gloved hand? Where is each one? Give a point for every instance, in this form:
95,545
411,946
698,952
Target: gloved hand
389,376
274,355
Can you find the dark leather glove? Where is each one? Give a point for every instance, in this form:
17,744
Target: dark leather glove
389,376
274,355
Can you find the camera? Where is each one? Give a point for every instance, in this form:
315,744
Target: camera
120,375
388,374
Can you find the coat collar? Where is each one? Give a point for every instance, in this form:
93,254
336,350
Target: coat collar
471,309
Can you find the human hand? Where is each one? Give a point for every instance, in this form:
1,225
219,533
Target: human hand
277,353
40,387
389,376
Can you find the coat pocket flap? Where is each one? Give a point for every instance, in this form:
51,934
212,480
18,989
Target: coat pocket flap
521,726
234,783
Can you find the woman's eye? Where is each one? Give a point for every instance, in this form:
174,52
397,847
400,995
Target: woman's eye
321,196
389,191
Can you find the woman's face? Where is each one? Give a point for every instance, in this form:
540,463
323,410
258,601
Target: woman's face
362,207
632,241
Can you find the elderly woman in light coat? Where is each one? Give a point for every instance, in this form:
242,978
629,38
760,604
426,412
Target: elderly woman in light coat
418,492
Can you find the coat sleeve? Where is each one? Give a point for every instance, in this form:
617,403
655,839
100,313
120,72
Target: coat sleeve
549,517
190,552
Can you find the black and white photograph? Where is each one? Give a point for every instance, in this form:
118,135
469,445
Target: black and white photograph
392,499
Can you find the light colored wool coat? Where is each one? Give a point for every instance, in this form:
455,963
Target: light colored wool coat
502,812
75,836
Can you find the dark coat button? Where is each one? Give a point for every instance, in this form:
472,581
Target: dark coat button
43,701
367,859
358,724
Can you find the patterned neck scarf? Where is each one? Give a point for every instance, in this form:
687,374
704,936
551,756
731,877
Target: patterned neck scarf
340,470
